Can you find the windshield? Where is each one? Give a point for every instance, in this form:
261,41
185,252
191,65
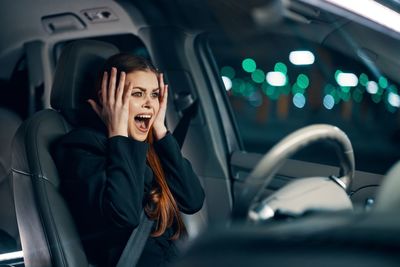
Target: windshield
317,68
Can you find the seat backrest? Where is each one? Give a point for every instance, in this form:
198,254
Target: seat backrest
9,122
48,233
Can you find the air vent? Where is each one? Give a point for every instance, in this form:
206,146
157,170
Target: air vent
99,15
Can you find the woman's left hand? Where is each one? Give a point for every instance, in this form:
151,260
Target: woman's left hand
160,130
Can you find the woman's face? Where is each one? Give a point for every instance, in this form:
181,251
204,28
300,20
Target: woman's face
143,103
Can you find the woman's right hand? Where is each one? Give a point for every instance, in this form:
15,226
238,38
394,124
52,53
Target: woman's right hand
114,108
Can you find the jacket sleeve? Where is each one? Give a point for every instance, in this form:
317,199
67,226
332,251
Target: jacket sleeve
103,178
182,181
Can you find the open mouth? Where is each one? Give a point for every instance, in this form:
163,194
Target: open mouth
142,122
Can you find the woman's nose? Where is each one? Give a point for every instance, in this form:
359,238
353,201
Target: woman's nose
147,102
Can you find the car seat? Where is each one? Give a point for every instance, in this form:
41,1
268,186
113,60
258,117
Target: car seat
9,237
48,233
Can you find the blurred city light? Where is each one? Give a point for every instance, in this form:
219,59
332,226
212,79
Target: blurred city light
363,79
228,71
227,83
281,67
276,78
347,79
383,82
303,81
329,102
258,76
299,100
301,57
372,87
249,65
394,99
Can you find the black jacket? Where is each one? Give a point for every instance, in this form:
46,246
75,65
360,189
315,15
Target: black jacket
105,182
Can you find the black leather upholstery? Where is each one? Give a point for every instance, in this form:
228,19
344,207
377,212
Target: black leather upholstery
48,233
9,236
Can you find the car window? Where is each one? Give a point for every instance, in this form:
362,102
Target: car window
271,94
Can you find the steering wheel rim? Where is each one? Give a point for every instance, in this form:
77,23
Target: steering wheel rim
273,160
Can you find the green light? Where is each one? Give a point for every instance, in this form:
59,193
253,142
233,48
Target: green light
376,98
363,79
281,67
264,87
380,91
383,82
345,89
392,89
336,96
345,96
275,94
337,73
357,95
249,65
258,76
239,87
270,90
328,89
249,88
303,81
297,89
228,72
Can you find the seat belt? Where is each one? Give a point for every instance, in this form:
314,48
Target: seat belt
135,245
189,112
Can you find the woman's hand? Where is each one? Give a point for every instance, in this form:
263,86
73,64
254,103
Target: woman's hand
160,130
114,108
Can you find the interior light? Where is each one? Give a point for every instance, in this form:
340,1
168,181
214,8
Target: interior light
372,87
394,99
276,78
347,79
301,57
227,83
249,65
329,102
299,100
373,11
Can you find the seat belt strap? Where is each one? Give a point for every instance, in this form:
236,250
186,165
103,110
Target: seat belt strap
183,125
135,245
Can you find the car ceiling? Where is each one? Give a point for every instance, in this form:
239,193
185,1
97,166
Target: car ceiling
235,18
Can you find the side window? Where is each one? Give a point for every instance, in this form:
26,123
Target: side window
14,91
278,83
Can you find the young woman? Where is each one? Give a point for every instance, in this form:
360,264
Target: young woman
124,161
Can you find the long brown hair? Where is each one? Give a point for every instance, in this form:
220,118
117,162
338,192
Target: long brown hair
161,205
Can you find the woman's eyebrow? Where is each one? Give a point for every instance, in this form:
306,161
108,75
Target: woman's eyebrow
144,89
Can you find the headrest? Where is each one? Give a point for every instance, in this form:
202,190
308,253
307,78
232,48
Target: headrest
76,74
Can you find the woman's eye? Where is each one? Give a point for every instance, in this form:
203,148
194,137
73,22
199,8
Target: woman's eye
156,95
138,94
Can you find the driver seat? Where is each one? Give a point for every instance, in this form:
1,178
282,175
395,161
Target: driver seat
48,233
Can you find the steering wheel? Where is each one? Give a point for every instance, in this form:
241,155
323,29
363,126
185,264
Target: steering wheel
273,160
